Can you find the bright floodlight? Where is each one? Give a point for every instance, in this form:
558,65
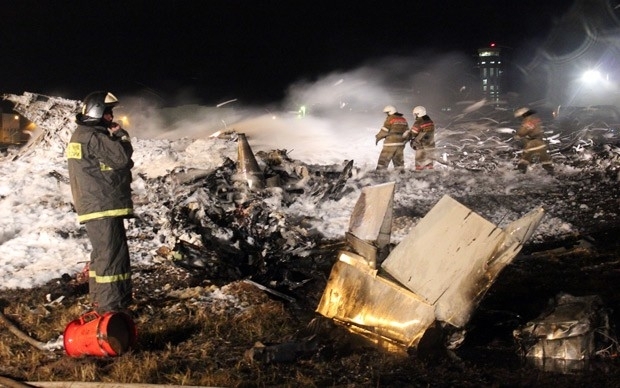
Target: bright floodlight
591,76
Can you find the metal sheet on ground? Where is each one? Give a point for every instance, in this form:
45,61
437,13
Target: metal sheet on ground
375,305
371,219
451,258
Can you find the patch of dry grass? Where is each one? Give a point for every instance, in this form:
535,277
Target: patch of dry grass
194,335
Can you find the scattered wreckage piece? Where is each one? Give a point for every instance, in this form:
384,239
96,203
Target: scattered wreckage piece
371,221
571,331
247,166
226,222
291,176
53,116
373,306
439,272
281,353
270,291
453,255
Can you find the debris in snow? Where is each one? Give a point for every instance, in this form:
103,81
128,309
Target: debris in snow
54,116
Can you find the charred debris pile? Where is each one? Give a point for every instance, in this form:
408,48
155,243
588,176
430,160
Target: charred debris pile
227,223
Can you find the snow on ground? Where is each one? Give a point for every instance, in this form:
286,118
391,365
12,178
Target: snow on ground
40,238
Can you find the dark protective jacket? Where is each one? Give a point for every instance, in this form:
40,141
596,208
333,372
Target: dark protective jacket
100,172
395,131
423,132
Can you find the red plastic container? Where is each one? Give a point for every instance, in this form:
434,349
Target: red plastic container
92,334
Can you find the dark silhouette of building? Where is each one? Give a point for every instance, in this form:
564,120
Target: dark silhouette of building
491,71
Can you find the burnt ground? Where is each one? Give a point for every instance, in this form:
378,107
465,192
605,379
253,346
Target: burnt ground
580,267
489,356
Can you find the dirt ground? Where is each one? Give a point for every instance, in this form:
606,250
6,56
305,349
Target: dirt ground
184,340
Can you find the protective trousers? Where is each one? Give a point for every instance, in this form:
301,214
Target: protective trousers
394,154
535,149
109,269
424,158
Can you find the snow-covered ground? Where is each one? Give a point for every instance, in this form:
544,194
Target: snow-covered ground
40,238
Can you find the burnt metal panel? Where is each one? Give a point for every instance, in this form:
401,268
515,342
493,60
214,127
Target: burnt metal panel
453,255
374,305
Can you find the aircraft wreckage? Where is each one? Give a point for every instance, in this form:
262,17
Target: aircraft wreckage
391,296
439,272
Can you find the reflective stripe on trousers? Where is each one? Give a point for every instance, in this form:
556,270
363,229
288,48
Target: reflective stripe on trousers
110,269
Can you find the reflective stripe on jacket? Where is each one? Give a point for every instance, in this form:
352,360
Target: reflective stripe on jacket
531,128
395,131
423,131
531,131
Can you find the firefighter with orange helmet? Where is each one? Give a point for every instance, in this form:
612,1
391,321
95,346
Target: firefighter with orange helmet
535,148
423,139
395,132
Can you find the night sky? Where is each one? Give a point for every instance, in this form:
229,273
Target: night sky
213,50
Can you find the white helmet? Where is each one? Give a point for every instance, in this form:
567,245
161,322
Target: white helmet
521,111
419,111
390,109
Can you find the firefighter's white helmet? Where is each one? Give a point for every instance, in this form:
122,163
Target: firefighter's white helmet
390,109
419,111
521,111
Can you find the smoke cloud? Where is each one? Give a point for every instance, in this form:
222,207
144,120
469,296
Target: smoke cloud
334,116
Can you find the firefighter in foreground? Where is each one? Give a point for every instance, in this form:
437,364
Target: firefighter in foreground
423,139
535,148
99,160
395,131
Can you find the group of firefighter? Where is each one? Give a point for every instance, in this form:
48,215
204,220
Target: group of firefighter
421,136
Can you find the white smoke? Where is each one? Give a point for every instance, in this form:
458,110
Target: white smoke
334,116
